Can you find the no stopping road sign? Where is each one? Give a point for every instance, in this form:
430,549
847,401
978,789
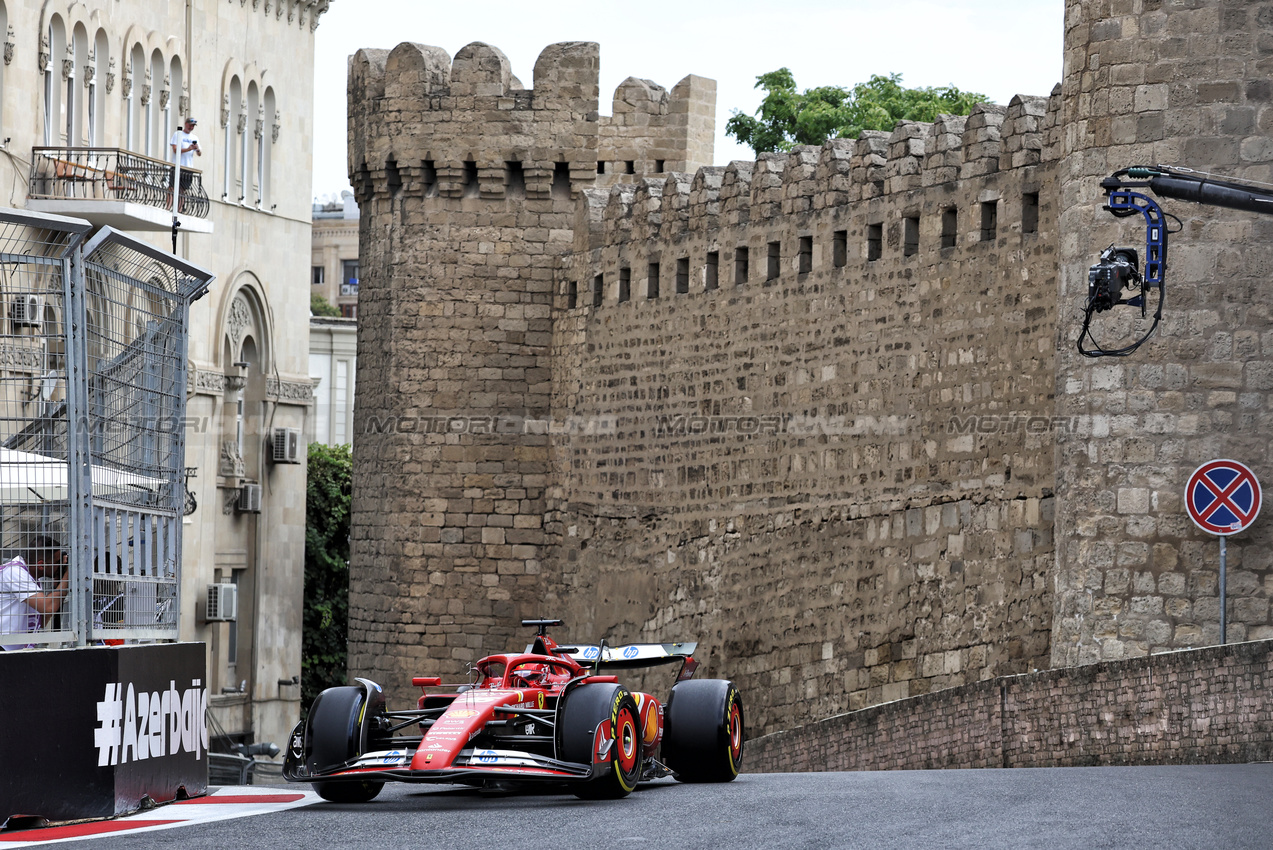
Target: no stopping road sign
1222,497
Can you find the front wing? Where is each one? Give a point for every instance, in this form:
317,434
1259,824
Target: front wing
468,766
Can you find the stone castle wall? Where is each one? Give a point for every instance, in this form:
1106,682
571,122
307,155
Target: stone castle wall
819,467
820,412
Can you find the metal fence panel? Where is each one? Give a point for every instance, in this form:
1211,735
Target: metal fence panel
92,408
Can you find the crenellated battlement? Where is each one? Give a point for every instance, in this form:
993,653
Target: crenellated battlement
914,159
426,124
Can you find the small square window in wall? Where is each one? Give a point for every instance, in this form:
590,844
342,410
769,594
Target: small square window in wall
711,271
910,235
601,166
1030,212
874,241
629,167
652,281
625,285
572,295
598,289
742,266
658,166
774,266
318,275
989,221
949,227
806,255
840,248
683,275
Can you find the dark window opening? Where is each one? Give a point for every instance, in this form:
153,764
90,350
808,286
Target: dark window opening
652,282
774,267
470,179
349,311
598,287
840,248
989,221
318,275
741,266
910,236
393,177
601,166
349,272
1030,212
625,285
429,178
561,181
629,167
683,275
658,166
806,255
572,295
949,227
874,241
711,276
514,180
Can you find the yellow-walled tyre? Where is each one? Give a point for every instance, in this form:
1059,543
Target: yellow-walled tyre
586,708
703,738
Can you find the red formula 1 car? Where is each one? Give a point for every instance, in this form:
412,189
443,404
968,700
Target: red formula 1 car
543,715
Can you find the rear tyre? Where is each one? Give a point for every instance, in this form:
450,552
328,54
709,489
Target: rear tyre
703,738
587,708
336,730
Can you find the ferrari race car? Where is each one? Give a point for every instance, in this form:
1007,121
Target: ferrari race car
544,715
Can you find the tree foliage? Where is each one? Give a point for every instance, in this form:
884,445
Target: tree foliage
320,306
325,639
788,117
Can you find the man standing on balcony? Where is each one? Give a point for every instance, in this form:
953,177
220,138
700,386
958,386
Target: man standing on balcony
186,143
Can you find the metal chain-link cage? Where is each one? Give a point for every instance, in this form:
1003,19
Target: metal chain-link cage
93,342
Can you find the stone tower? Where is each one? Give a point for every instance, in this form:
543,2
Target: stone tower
1184,83
467,184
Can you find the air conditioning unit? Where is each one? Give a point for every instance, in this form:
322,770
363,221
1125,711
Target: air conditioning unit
349,289
223,603
286,445
250,499
27,310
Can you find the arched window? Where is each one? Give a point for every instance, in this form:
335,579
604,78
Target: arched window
97,91
247,127
135,71
233,113
267,148
156,136
76,111
53,81
175,117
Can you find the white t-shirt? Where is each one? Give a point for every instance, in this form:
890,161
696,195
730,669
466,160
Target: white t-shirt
16,587
183,140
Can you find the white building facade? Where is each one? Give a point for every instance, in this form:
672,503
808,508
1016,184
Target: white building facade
90,93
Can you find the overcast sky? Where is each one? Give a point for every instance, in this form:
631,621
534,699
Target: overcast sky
996,47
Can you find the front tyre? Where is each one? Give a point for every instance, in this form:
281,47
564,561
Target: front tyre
703,739
337,731
611,709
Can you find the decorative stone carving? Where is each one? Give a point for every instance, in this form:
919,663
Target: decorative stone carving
278,125
290,392
145,93
231,502
21,358
259,130
164,96
8,47
225,109
183,104
208,382
45,53
110,76
235,382
231,464
68,64
126,84
242,124
240,318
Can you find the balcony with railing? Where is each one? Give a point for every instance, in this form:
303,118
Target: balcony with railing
120,188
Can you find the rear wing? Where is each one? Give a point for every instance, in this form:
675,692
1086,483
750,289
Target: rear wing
634,656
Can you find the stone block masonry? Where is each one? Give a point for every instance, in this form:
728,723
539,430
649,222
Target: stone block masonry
820,412
1200,706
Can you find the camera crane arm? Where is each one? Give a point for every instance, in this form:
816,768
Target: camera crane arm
1119,268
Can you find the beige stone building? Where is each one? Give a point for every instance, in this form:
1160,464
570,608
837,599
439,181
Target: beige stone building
90,92
334,267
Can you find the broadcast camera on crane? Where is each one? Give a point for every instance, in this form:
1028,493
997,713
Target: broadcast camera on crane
1117,278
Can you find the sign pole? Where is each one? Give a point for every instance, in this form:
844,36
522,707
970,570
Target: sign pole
1223,619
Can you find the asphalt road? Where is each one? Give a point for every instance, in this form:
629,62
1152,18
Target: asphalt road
1220,807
